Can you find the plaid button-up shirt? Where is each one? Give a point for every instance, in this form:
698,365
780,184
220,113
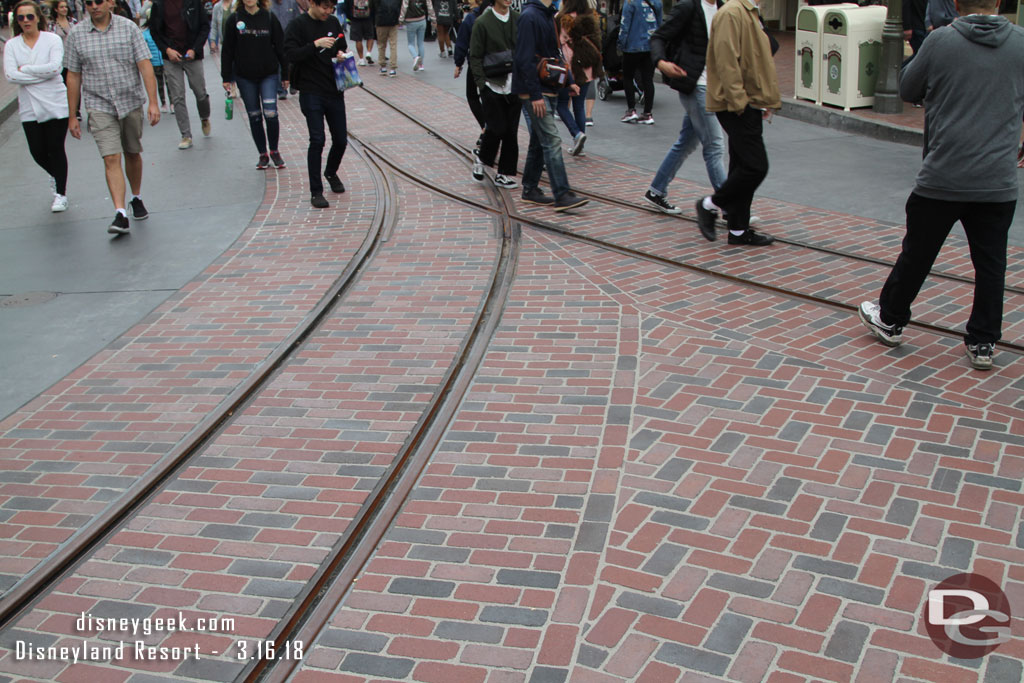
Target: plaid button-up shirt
111,82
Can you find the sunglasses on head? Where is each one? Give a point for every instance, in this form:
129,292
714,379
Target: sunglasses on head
26,17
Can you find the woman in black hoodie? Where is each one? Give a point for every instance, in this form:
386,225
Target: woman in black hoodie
253,56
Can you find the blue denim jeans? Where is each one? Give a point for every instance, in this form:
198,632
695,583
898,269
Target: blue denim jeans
260,98
545,150
414,33
698,126
576,120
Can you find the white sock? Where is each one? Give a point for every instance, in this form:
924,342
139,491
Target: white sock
123,212
737,232
136,196
709,205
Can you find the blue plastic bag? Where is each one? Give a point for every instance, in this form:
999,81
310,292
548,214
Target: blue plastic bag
345,73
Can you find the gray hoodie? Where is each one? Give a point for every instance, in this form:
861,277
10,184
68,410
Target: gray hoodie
970,76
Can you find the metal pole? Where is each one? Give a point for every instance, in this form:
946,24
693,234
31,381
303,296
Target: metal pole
887,95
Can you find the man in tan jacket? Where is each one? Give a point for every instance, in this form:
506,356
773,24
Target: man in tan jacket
742,90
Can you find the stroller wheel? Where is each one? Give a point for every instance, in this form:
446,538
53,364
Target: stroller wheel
603,89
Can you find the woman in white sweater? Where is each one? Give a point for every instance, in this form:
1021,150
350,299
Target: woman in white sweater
33,59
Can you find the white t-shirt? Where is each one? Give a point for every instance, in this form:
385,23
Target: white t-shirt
41,95
709,13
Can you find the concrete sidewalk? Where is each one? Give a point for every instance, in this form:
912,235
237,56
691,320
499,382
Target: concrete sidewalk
67,288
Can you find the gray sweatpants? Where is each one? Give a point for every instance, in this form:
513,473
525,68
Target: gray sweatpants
174,73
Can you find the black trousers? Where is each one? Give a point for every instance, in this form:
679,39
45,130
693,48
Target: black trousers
502,115
473,98
928,223
46,145
637,65
748,165
317,108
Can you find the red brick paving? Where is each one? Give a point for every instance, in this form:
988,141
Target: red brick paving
656,475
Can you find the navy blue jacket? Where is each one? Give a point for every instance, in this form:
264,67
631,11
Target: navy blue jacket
536,39
465,31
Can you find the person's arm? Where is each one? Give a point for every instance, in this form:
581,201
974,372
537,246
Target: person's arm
277,41
13,74
54,61
74,97
678,19
149,80
430,12
723,46
913,80
227,51
203,34
477,44
297,47
401,12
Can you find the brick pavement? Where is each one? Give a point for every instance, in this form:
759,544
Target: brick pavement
656,475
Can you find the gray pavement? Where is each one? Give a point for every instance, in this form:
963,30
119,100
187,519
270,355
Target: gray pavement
199,202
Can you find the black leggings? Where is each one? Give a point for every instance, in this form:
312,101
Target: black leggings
638,65
46,144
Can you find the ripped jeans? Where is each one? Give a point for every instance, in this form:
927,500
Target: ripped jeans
260,98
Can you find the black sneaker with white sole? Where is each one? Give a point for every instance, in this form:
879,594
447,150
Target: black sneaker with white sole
119,226
139,212
870,314
706,221
505,182
980,355
661,204
751,238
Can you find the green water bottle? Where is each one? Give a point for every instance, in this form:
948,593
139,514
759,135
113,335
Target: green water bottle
229,107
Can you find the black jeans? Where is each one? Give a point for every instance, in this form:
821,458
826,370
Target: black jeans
637,65
502,115
316,108
748,165
46,145
928,223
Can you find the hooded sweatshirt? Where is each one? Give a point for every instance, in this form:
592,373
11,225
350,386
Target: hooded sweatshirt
970,76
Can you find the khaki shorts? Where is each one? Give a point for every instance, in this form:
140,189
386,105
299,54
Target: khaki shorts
114,135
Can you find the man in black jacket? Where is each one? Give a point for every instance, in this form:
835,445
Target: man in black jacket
180,29
311,42
679,48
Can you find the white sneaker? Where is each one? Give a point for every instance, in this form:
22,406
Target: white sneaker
416,62
871,315
361,62
505,182
577,143
60,203
185,143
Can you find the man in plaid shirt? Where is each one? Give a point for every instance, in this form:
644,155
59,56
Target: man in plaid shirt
104,56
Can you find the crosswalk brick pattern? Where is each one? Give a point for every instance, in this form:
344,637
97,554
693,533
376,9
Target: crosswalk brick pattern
656,475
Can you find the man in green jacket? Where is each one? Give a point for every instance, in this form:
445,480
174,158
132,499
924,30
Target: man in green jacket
491,49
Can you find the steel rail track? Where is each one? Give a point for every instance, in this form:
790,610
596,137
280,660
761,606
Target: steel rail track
615,201
647,256
73,551
309,616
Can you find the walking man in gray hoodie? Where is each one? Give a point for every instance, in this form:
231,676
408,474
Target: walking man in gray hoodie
970,76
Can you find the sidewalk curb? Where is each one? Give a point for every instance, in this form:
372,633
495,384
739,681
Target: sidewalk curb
835,119
9,108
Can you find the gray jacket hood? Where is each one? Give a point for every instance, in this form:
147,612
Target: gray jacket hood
983,29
